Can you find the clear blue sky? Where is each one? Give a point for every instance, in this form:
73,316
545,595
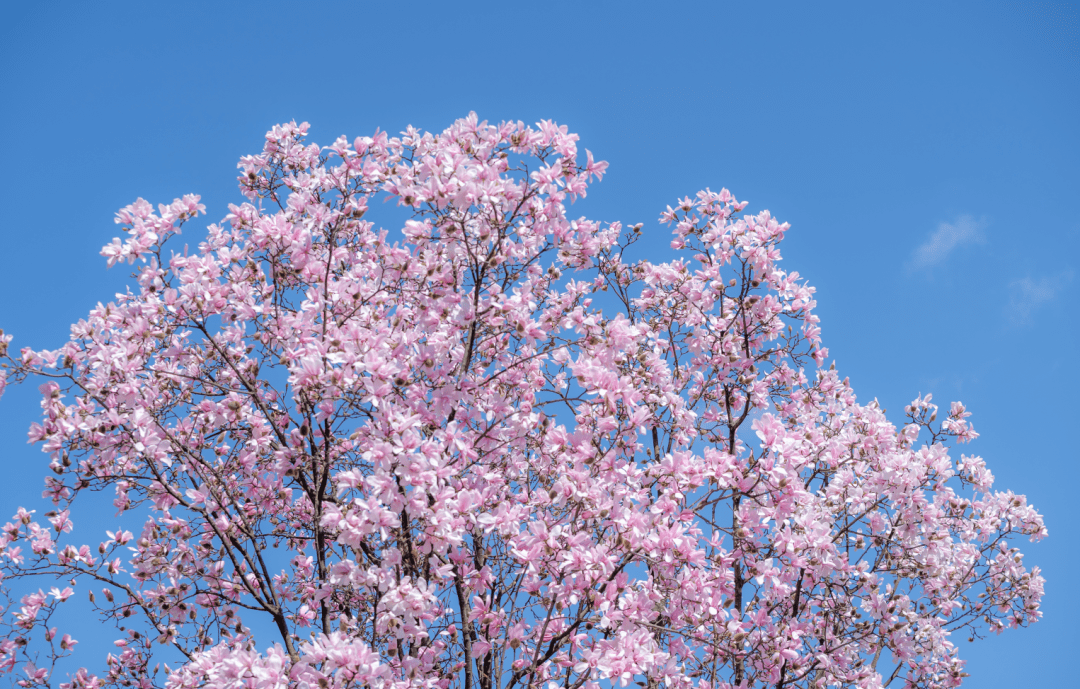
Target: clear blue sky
926,156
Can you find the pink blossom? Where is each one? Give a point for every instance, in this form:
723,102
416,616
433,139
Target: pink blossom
446,457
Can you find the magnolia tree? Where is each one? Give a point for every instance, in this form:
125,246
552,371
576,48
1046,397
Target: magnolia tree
344,457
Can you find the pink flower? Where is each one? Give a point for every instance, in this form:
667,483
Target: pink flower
61,595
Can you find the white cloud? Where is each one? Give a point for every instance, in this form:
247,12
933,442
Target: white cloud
1026,294
966,230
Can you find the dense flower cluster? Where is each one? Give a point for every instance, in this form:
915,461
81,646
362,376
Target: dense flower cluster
492,451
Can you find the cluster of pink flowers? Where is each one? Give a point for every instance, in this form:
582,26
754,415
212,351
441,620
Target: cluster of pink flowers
492,451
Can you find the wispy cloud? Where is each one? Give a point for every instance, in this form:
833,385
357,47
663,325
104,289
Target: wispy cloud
949,236
1026,294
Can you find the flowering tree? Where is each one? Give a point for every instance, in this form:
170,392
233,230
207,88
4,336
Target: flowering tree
433,460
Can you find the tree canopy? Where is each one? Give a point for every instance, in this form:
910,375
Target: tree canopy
495,450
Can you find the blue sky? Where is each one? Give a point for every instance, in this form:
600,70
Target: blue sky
926,156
